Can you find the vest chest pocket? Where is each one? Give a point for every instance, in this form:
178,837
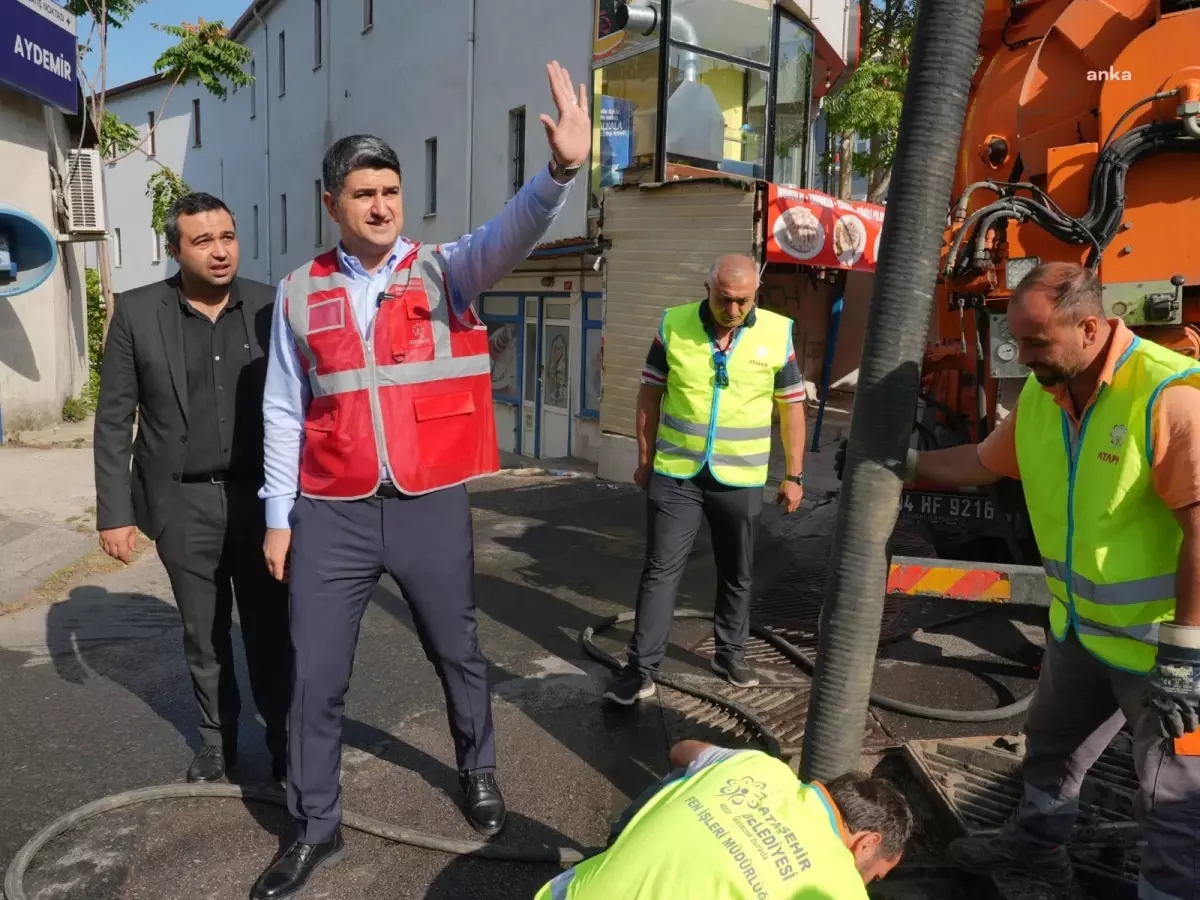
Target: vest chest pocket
410,327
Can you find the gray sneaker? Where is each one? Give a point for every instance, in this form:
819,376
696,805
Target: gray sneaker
629,686
735,671
989,854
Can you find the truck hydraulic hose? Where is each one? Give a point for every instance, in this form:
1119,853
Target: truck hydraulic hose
935,101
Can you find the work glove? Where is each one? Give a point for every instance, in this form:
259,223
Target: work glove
1174,683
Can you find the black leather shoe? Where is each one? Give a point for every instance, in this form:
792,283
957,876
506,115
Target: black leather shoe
485,806
287,876
210,765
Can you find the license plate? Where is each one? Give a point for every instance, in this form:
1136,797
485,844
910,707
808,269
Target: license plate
947,509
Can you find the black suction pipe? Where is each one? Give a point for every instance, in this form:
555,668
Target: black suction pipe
942,63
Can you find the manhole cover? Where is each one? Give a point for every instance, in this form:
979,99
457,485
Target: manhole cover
977,781
784,709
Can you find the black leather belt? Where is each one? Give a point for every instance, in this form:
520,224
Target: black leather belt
388,491
213,477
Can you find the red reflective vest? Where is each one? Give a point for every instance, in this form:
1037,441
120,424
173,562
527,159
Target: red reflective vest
416,394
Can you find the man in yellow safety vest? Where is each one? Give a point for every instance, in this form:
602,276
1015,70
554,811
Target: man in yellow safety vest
713,375
1105,439
737,825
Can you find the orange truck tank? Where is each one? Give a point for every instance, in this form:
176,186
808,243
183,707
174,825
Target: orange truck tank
1081,142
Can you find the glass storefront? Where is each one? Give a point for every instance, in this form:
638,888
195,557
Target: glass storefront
737,97
793,101
716,115
625,113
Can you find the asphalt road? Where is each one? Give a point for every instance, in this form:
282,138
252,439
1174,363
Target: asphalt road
96,700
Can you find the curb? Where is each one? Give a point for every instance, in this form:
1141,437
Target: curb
555,473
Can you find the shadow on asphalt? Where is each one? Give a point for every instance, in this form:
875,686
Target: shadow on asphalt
103,632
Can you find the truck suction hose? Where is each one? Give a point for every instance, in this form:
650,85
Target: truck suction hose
14,879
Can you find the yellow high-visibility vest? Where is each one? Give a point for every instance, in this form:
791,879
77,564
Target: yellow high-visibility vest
1109,545
728,427
741,829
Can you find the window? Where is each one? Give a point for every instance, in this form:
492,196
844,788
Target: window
155,247
116,248
316,34
500,313
196,122
431,177
319,211
256,231
253,92
282,64
368,14
625,117
152,142
739,28
283,223
592,358
516,149
792,94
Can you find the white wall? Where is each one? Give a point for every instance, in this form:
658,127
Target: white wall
403,80
514,43
43,332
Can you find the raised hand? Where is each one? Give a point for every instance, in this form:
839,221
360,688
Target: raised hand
571,138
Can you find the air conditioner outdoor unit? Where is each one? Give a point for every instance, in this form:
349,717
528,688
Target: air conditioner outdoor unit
85,193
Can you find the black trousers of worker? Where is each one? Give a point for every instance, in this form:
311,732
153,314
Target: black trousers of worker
212,551
674,508
339,551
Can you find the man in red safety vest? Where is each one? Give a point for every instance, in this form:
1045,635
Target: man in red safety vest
378,408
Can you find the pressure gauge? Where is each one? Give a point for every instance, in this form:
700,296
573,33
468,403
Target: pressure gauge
1007,351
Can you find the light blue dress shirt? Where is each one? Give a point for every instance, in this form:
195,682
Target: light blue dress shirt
476,262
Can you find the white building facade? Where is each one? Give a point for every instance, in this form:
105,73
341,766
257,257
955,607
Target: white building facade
457,88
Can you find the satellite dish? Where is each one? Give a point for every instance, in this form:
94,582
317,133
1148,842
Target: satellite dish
28,252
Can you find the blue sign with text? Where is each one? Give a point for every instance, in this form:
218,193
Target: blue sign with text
38,52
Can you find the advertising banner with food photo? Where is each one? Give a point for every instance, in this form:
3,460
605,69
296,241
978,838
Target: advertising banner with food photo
818,230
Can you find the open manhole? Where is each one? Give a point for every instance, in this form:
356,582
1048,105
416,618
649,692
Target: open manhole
977,782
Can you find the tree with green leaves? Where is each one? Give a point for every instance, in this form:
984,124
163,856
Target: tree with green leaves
203,53
868,104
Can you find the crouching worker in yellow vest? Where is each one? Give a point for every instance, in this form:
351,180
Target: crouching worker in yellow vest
737,825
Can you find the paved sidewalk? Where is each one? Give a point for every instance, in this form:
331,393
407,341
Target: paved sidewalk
47,516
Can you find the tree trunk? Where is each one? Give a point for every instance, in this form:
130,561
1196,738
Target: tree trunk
880,179
881,175
105,284
846,156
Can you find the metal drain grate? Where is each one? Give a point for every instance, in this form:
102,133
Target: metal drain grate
783,709
977,781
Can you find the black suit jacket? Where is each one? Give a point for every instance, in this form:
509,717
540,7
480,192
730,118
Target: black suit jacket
144,372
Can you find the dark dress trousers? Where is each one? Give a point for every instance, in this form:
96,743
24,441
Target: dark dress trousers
196,388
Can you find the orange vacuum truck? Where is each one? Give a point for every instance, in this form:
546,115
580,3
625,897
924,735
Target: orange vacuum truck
1081,143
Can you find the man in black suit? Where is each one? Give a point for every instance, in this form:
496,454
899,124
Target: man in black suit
188,356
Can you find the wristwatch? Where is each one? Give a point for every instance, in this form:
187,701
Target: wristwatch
560,173
798,479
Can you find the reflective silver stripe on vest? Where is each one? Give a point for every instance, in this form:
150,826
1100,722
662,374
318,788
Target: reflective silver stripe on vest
558,887
430,266
1123,593
401,374
1143,634
754,460
724,433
